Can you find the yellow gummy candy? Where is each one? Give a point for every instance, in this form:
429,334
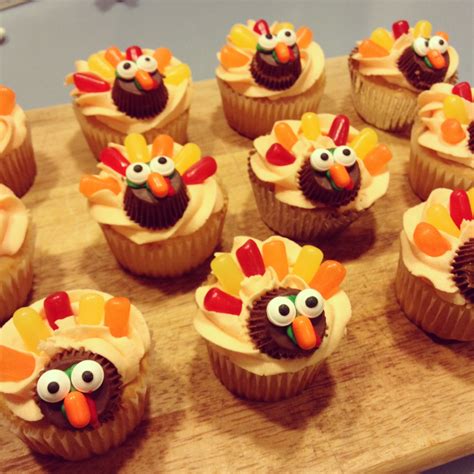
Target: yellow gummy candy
453,107
284,26
383,38
101,66
91,309
228,273
438,216
308,262
422,28
187,156
137,149
242,37
31,327
177,74
365,142
310,125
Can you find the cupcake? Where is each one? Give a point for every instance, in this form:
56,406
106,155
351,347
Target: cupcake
73,373
159,206
434,283
269,73
271,313
16,253
313,177
442,140
137,91
389,70
17,161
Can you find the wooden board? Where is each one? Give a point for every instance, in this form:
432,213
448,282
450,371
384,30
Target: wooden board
389,399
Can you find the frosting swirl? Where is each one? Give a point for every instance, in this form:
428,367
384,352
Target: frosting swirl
12,130
13,222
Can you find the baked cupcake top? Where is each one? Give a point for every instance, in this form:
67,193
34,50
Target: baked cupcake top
133,90
150,193
447,113
12,121
273,61
438,243
66,359
13,222
274,306
412,58
321,160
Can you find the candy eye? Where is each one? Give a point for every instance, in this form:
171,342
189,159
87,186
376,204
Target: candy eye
267,42
53,386
310,303
281,311
87,376
421,45
287,36
147,63
137,173
126,69
345,155
438,43
162,165
321,159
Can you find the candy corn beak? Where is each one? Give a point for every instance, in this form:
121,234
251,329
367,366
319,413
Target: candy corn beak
158,185
436,59
145,81
340,176
283,52
77,410
304,332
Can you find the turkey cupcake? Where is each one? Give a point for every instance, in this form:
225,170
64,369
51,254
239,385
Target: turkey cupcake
16,253
389,70
313,177
160,206
17,161
73,373
434,283
271,313
442,140
134,91
269,73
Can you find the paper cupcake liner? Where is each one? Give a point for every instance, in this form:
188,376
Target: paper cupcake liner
422,305
18,168
253,117
16,278
76,445
98,135
428,171
297,223
262,388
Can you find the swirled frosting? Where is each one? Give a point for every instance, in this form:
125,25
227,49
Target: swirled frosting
13,222
240,79
432,116
126,353
12,130
230,334
285,178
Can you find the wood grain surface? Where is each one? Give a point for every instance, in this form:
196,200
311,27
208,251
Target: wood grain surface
390,399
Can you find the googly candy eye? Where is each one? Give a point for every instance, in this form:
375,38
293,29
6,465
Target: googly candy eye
321,159
147,63
126,69
309,303
421,45
163,165
345,155
267,42
281,311
287,36
137,173
87,376
438,43
53,386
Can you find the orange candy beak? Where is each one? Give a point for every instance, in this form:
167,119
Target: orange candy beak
145,80
340,176
304,332
158,185
283,53
436,59
77,409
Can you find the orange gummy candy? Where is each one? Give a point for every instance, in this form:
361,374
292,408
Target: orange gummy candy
117,314
274,255
7,100
376,159
452,131
230,57
304,36
285,135
163,57
369,49
15,365
328,278
91,184
163,145
429,240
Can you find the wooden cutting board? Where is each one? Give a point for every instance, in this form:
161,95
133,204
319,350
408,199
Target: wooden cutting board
389,399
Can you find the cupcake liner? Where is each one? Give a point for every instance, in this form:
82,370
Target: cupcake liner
253,117
98,135
422,305
428,171
18,168
16,278
297,223
76,445
263,388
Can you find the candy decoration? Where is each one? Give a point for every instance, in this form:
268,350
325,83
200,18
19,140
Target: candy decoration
57,306
137,149
377,159
90,185
242,37
304,36
200,171
261,27
158,185
112,158
162,145
227,272
285,135
429,240
94,422
117,315
463,89
250,259
438,216
453,107
101,66
175,75
369,49
328,278
339,130
383,38
399,28
284,26
31,327
310,125
443,34
436,59
77,409
459,206
163,58
282,52
230,57
145,80
308,262
274,255
133,53
304,333
364,142
422,28
91,309
340,176
90,82
7,100
277,155
189,155
452,131
220,302
113,55
15,365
